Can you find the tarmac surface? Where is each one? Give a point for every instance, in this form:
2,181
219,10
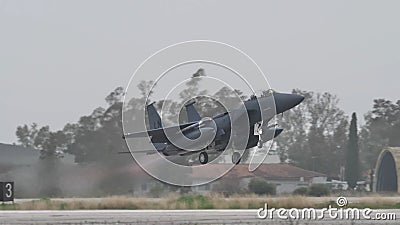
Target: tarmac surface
173,217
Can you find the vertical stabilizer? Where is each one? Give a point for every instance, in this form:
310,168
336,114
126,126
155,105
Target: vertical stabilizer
192,114
154,117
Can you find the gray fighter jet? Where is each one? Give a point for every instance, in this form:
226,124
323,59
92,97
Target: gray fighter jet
206,135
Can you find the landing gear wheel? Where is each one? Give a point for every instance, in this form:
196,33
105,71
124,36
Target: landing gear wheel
203,157
260,143
236,157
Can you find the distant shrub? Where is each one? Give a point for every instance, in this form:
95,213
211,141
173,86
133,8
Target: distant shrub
261,187
195,202
301,191
318,190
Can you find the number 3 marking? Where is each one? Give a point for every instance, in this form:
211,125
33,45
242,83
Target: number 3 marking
9,190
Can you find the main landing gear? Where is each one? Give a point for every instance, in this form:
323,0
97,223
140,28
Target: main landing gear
236,157
203,157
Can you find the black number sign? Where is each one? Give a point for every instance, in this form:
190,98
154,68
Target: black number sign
6,191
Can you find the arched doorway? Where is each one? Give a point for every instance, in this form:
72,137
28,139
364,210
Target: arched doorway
386,171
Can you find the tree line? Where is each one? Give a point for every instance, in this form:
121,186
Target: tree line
317,133
319,136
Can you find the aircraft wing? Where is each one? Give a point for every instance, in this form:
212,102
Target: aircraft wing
158,135
148,152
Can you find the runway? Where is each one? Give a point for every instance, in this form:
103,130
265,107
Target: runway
167,217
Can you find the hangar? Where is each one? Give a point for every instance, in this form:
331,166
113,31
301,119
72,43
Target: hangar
387,170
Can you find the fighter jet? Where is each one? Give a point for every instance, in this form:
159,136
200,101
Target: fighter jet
212,134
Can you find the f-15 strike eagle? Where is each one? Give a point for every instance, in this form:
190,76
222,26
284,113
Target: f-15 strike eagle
216,131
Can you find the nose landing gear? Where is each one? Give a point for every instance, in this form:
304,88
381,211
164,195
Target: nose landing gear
258,130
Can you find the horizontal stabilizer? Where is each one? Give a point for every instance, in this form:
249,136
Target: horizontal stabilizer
158,135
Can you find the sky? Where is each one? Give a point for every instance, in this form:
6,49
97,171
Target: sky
59,59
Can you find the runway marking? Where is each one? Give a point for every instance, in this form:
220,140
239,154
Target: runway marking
130,210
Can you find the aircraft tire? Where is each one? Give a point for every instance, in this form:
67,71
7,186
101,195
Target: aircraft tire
236,157
203,157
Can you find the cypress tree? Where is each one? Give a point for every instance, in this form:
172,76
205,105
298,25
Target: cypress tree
352,158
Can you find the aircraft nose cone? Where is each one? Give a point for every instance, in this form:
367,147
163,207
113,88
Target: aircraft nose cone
278,131
285,102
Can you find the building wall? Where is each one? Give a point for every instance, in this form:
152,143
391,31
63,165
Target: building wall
319,180
143,188
203,189
288,186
